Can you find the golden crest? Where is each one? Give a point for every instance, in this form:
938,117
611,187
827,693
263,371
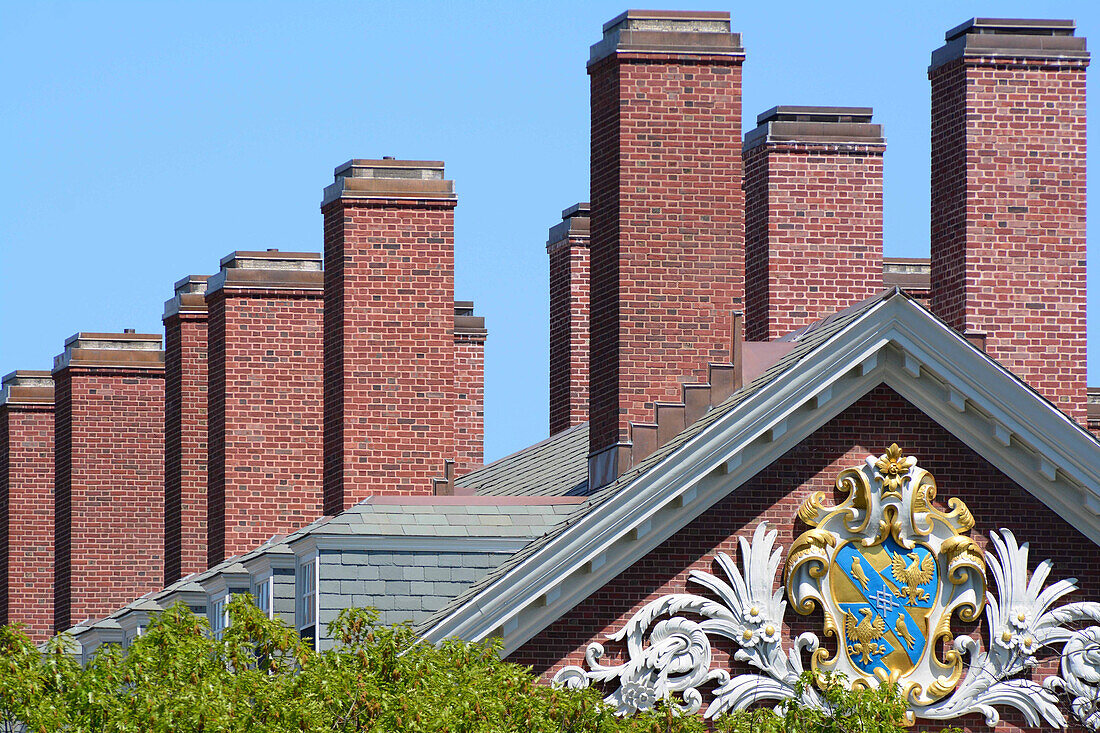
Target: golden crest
889,570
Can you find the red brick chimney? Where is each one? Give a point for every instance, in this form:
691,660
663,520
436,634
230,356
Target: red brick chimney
1008,197
185,387
567,246
390,342
469,389
109,473
813,216
265,398
26,502
667,248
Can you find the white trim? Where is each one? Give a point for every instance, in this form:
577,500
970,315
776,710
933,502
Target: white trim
926,362
309,565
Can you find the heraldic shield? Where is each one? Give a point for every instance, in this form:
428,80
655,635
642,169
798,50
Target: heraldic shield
889,571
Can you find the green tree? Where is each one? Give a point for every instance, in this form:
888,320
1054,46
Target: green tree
261,677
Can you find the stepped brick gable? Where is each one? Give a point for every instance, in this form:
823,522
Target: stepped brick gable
185,429
1008,197
813,226
265,397
109,473
667,247
567,247
389,322
26,502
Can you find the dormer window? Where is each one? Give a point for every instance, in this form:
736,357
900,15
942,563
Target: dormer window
262,593
307,597
219,615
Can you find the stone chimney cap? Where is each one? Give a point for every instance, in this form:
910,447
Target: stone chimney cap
390,168
271,259
685,32
191,284
580,209
789,113
119,350
390,179
1012,26
26,387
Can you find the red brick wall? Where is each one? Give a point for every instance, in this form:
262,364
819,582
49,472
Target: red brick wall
1008,215
26,518
667,259
265,416
109,491
389,347
185,436
469,391
868,427
813,233
569,275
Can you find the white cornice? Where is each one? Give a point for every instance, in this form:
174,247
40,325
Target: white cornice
896,343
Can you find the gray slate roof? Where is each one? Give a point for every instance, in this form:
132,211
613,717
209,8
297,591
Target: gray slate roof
558,466
808,340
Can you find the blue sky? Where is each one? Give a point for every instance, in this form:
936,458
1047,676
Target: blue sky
141,142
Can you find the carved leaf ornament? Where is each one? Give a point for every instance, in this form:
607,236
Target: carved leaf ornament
888,571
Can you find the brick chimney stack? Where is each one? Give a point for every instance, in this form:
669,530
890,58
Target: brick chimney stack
813,222
26,502
469,388
390,350
1008,197
667,247
567,246
185,389
109,473
265,398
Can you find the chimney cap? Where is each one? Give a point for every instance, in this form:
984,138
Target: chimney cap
271,259
389,167
687,32
26,387
796,113
1012,26
123,350
579,209
700,21
190,284
360,179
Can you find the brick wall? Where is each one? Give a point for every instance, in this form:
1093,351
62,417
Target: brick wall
26,502
265,398
389,321
667,260
868,427
813,221
109,473
1008,197
567,247
185,387
469,388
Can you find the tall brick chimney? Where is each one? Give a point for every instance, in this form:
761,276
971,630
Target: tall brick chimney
108,472
667,248
567,247
469,388
389,329
813,221
264,420
185,388
26,502
1008,197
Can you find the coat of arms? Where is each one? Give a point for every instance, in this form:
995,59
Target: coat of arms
888,571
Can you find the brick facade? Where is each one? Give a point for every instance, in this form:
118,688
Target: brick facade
567,247
26,502
867,427
813,216
667,247
469,388
185,388
1008,197
389,321
265,398
109,473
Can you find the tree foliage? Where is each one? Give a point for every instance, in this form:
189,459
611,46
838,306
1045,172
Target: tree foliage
261,677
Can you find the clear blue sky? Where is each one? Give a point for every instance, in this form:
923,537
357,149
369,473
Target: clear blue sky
141,142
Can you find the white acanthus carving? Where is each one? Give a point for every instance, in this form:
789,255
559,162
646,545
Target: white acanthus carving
677,658
1020,618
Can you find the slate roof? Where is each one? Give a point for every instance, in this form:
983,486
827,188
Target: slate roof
808,340
557,466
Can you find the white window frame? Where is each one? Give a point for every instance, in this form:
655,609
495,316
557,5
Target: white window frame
265,586
307,599
219,614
